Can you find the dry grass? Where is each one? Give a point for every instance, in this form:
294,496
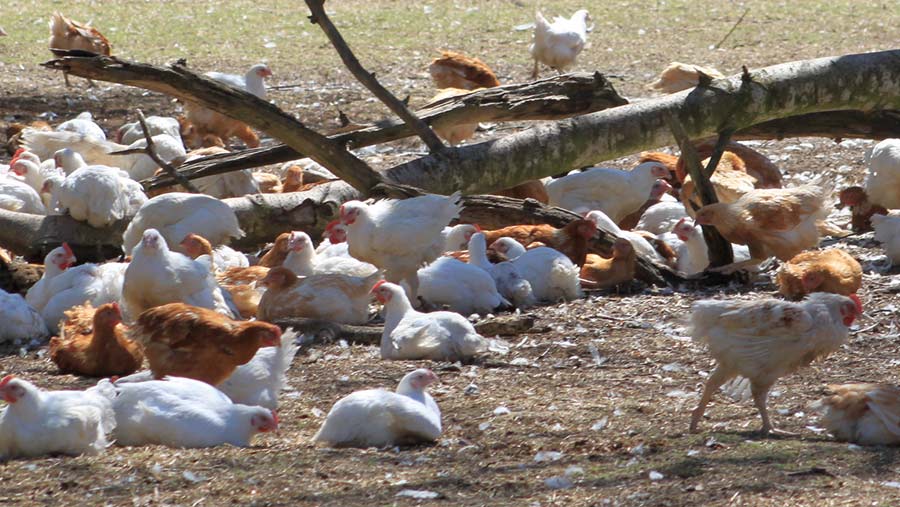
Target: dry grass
651,374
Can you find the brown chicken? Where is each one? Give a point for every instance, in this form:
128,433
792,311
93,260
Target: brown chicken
659,189
455,70
753,163
832,270
771,222
268,183
278,253
244,294
681,76
293,179
867,414
572,240
601,273
333,296
92,343
188,341
530,189
67,34
860,208
730,182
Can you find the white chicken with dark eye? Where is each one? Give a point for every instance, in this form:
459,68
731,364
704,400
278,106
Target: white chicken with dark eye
509,282
303,260
457,237
183,413
464,288
177,214
380,418
765,340
441,336
55,262
558,44
157,276
399,236
552,276
36,422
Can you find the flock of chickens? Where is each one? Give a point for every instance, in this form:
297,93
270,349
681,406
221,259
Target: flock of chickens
203,316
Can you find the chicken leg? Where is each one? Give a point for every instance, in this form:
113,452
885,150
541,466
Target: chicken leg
715,381
534,73
760,395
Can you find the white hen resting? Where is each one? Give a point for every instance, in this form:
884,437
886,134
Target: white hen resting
553,277
20,320
184,413
156,276
261,380
509,282
558,44
97,283
887,231
661,217
99,195
638,242
441,336
380,418
462,287
613,191
399,236
883,179
83,124
55,262
177,214
131,132
18,196
867,414
36,422
304,260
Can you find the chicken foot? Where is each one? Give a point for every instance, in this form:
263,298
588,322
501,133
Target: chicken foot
716,380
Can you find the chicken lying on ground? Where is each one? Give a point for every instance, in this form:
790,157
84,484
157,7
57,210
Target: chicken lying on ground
331,296
558,44
601,273
771,222
156,276
92,343
36,422
220,258
572,239
861,210
441,336
259,381
692,253
883,180
399,236
131,132
552,276
20,320
187,341
303,260
613,191
509,282
183,413
681,76
380,418
867,414
832,270
765,340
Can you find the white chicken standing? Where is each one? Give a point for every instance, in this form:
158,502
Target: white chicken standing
83,124
177,214
20,320
399,236
96,194
183,413
883,179
765,340
442,336
464,288
259,381
613,191
37,422
887,231
304,260
157,276
558,44
380,418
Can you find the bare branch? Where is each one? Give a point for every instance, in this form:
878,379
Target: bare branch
319,17
150,151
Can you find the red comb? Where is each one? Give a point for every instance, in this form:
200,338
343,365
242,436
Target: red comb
858,303
379,284
331,225
16,156
68,250
6,380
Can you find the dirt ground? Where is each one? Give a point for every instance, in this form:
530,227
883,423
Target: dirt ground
592,406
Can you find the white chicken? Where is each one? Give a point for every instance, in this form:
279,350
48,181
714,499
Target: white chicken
83,124
866,414
638,242
97,194
883,179
18,196
462,287
208,121
177,214
36,422
553,277
131,132
261,380
557,45
380,418
887,231
138,165
184,413
157,276
693,256
334,242
765,340
55,262
441,336
225,185
332,296
613,191
509,282
303,260
95,283
20,320
661,217
457,237
30,169
399,236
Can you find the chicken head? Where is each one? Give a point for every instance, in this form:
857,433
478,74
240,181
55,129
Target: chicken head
850,312
264,420
350,211
383,293
660,188
12,388
422,378
336,232
109,315
278,277
299,241
262,70
195,245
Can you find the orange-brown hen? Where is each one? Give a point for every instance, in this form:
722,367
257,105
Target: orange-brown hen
832,270
572,240
187,341
860,208
278,253
601,273
456,70
92,343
